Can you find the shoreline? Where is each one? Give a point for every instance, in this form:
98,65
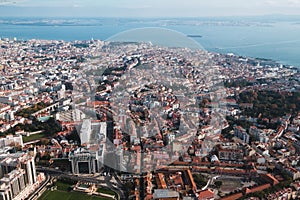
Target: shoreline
212,50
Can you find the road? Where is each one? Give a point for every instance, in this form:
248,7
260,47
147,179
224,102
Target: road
115,185
36,193
210,181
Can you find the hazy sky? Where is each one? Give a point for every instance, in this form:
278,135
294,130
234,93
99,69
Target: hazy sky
147,8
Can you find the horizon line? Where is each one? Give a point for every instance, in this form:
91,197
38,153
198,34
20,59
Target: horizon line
149,17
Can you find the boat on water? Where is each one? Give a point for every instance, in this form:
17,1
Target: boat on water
195,36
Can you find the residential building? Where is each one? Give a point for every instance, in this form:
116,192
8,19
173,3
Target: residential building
17,175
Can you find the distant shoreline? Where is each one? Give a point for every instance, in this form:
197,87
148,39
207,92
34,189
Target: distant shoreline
278,42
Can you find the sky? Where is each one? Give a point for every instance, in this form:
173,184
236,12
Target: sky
147,8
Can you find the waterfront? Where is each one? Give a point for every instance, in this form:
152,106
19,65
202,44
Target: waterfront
268,39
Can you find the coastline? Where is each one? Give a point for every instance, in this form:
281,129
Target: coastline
214,38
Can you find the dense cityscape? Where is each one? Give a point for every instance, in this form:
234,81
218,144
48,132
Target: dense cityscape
107,120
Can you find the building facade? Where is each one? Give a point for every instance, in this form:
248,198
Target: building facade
17,173
90,159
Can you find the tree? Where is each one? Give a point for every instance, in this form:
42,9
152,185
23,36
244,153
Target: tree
274,106
293,106
218,184
200,180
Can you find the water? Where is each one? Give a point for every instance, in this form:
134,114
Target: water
277,40
157,36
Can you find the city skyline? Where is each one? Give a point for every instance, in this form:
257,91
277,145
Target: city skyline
134,8
142,100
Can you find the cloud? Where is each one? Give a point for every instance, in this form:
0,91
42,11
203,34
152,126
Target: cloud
283,3
77,6
9,2
271,3
294,2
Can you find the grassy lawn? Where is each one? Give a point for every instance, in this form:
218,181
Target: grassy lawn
43,196
79,196
63,192
62,195
55,195
106,191
63,186
33,137
98,198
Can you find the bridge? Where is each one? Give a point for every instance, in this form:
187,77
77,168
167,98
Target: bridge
47,109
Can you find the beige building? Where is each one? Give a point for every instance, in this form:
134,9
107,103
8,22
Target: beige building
17,173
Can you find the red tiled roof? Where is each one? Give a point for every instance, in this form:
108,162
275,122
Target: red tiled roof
206,194
233,197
